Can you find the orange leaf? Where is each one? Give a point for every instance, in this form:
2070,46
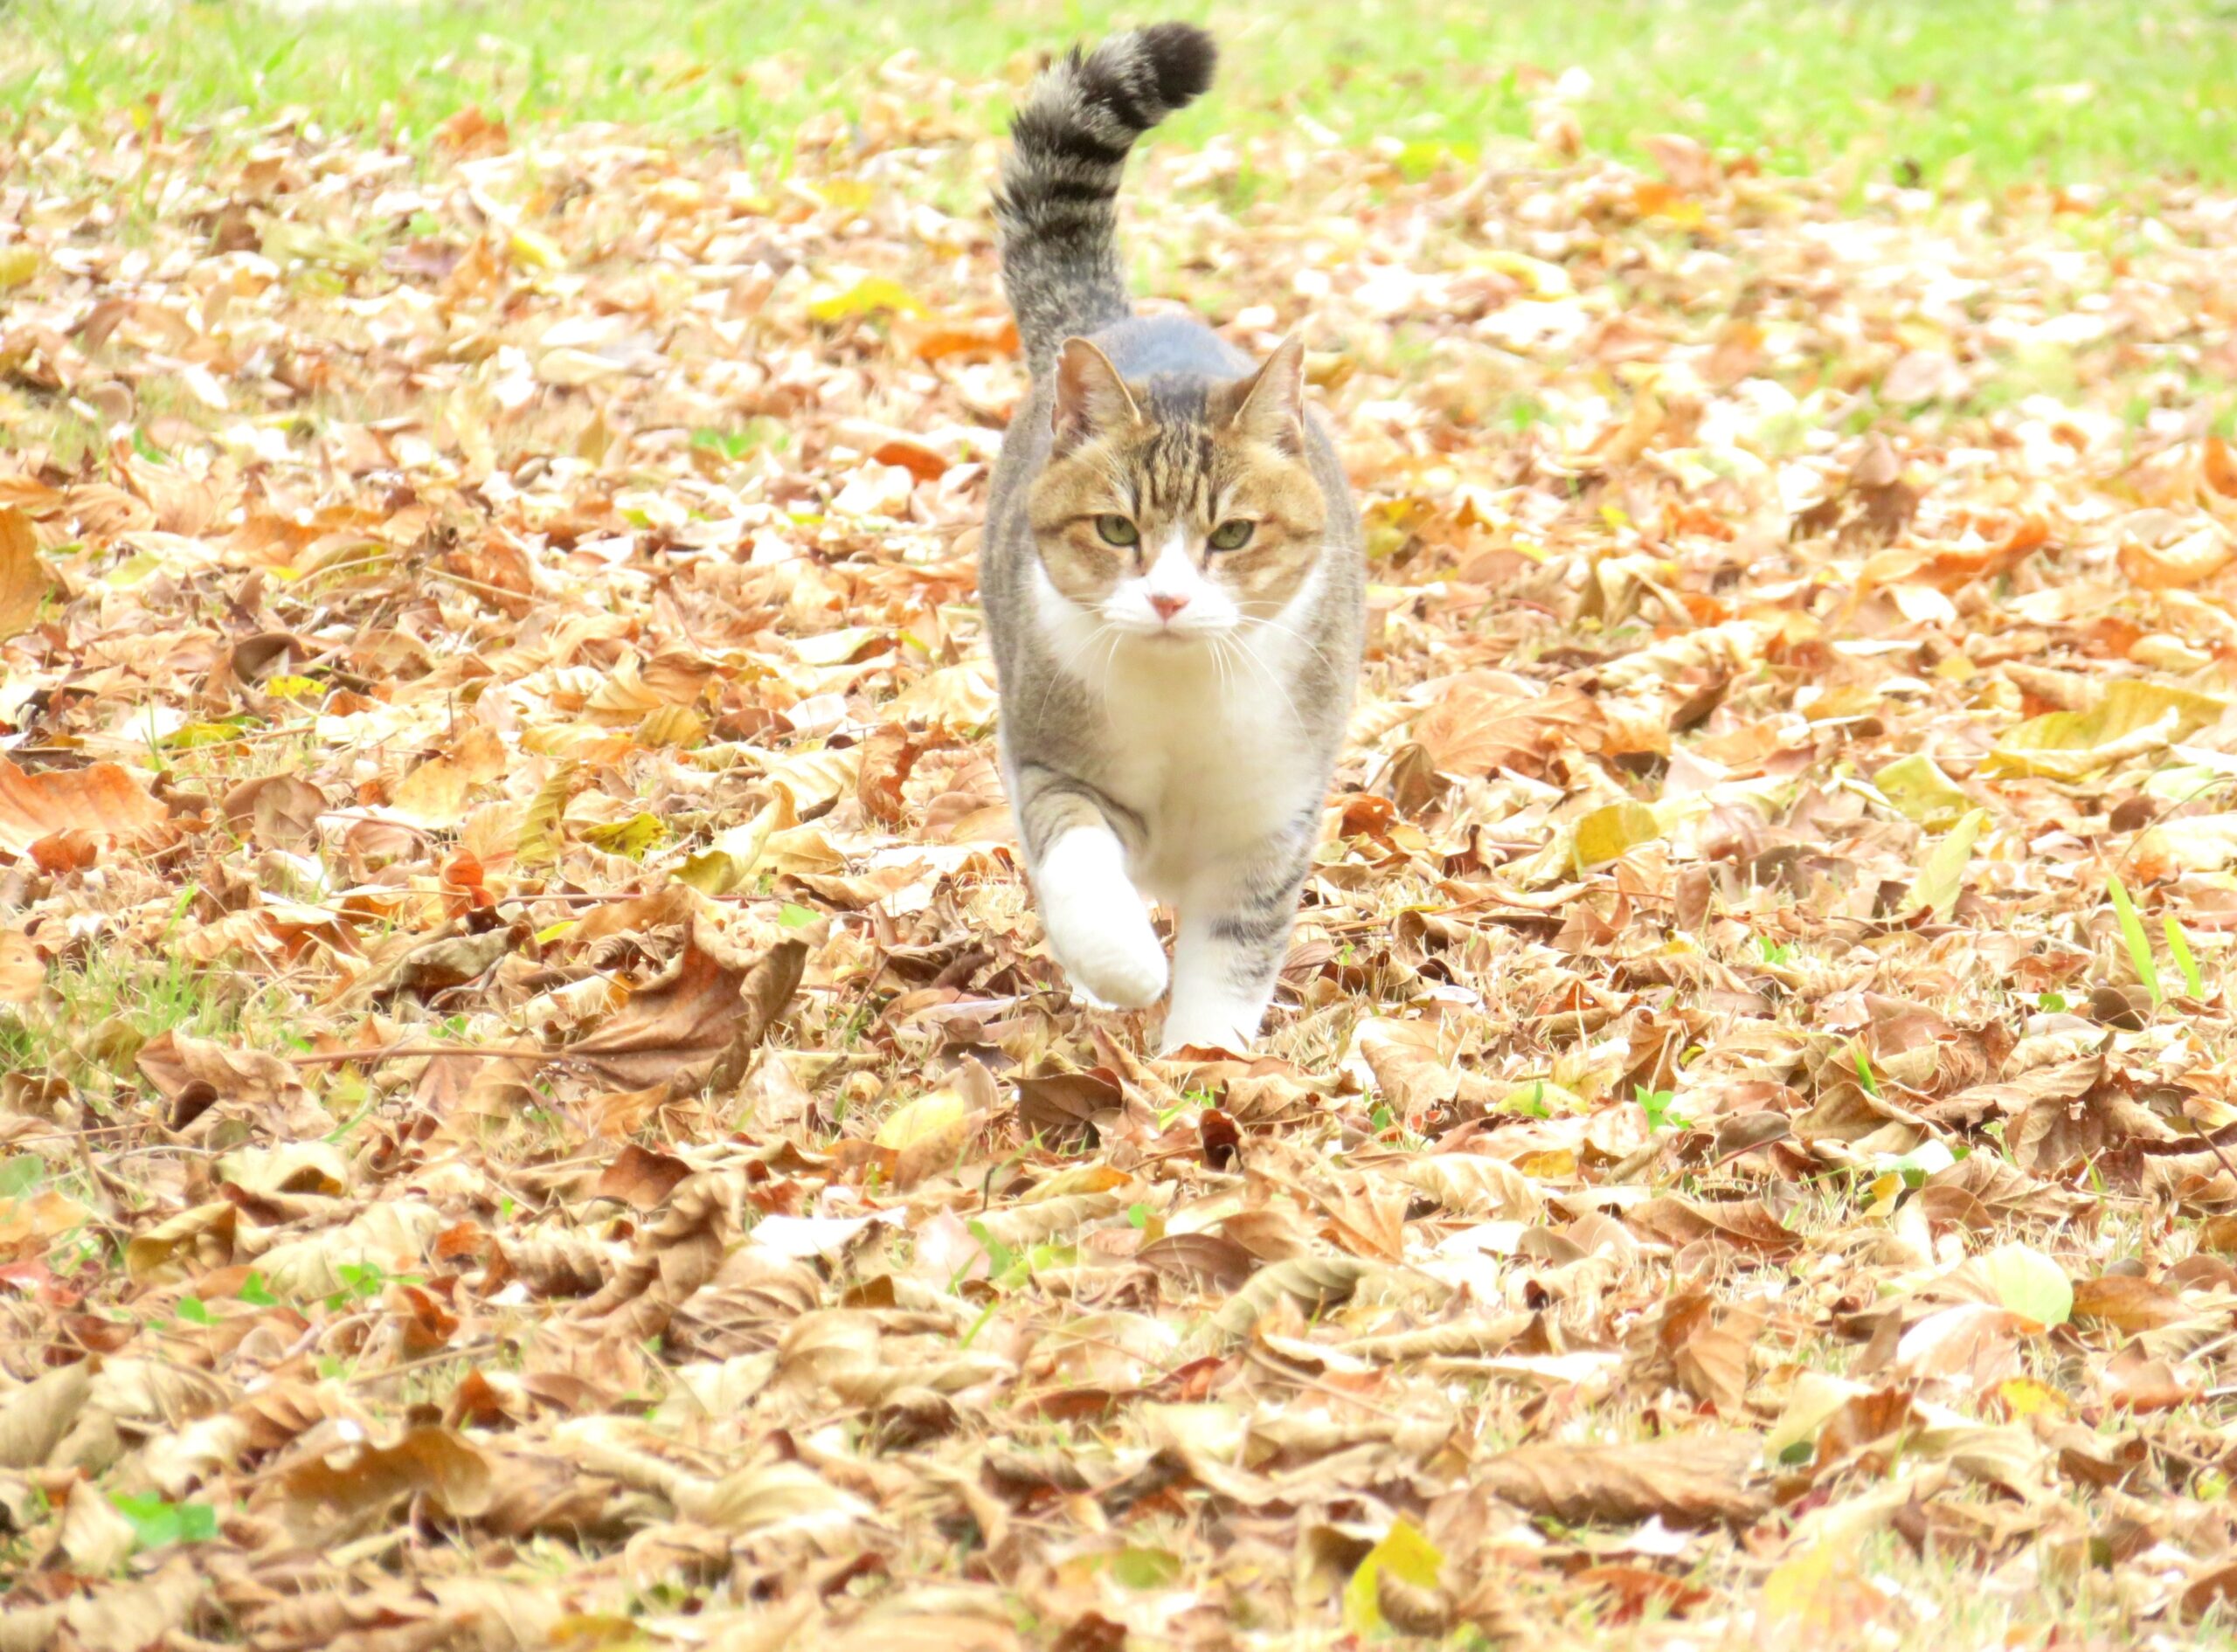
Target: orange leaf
105,800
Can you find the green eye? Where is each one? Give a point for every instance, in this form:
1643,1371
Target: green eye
1117,530
1231,536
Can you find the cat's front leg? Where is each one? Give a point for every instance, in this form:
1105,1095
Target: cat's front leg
1235,929
1094,919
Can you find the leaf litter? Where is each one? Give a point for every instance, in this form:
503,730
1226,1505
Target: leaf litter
535,1112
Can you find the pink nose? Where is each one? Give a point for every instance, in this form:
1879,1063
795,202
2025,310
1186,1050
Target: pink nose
1168,606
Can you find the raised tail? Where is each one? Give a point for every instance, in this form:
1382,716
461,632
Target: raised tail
1057,206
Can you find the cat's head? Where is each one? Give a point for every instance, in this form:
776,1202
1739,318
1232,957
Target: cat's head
1178,507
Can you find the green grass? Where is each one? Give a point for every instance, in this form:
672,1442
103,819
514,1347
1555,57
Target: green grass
2061,90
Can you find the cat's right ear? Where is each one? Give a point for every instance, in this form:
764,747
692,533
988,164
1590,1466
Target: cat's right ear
1091,399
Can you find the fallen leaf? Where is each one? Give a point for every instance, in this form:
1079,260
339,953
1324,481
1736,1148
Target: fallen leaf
1941,879
1610,834
1402,1552
1685,1480
22,974
677,1028
25,583
1921,793
35,1417
277,811
102,800
2029,1284
2132,718
343,1486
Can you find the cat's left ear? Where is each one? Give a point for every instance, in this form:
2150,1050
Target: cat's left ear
1272,409
1091,399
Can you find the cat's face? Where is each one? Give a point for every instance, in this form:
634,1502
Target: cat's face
1177,511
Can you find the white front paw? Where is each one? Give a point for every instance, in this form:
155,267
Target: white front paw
1096,923
1120,967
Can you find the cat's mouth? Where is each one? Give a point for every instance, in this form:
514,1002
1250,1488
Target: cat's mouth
1171,634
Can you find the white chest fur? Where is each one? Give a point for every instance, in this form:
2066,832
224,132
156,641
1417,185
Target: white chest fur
1202,738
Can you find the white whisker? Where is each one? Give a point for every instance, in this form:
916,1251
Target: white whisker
1272,677
1062,671
1295,635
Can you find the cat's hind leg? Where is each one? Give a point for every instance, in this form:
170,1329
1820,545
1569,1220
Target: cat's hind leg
1235,929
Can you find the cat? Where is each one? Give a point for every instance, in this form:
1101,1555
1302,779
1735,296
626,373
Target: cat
1174,578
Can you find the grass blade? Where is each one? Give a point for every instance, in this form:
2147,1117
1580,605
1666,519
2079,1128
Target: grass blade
2139,943
2178,947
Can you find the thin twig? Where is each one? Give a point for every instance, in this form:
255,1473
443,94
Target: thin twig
342,1058
480,1344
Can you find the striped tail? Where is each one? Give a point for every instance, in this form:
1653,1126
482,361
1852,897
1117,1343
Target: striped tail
1057,206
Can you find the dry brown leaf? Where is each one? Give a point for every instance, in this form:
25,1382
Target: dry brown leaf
340,1488
1687,1480
1312,1283
642,1179
141,1614
94,1537
673,1258
194,1074
2126,1304
1748,1224
34,1418
677,1030
1475,727
277,810
436,794
23,976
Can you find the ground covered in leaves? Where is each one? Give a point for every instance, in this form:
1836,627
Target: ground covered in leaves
536,1113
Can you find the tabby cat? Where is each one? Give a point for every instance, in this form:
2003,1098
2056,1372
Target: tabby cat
1174,578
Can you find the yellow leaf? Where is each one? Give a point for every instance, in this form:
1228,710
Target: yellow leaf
2028,1398
1404,1553
1554,1165
867,297
1921,793
1545,280
631,837
1820,1595
541,829
2132,718
1610,834
1844,700
17,265
23,582
1943,878
1542,1096
813,778
921,1119
201,734
727,861
141,567
536,252
1084,1178
671,726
